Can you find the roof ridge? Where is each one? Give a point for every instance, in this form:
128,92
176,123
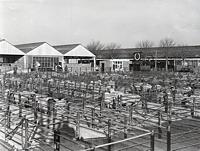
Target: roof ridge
66,45
2,40
153,47
31,43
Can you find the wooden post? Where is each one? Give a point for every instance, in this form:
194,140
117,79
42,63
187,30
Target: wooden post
9,119
119,98
8,112
193,108
54,115
49,89
152,140
166,103
49,107
159,125
77,133
57,140
68,89
169,136
86,90
26,135
125,127
113,103
99,88
130,114
75,86
93,92
83,104
16,86
68,111
93,111
20,105
102,102
109,134
35,108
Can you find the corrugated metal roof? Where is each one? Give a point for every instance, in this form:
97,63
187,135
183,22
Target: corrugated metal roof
29,46
171,52
65,48
44,50
7,48
79,51
39,49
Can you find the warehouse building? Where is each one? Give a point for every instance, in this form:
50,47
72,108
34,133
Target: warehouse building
42,53
155,58
77,58
73,58
9,55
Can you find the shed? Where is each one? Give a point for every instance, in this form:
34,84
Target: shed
43,53
9,55
76,54
8,52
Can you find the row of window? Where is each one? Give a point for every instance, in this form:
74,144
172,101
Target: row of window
117,65
46,62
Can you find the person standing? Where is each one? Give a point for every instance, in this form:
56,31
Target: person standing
15,70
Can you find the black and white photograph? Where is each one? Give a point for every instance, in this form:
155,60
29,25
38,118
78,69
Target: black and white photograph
99,75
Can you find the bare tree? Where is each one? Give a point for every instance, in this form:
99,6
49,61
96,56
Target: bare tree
167,42
112,45
144,44
94,46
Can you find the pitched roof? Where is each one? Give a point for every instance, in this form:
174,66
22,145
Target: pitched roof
162,52
7,48
29,46
65,48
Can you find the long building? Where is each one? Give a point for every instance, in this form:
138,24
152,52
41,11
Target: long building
76,58
155,58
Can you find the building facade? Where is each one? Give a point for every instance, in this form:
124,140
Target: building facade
40,54
77,58
155,58
9,56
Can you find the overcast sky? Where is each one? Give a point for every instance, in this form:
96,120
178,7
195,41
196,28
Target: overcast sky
80,21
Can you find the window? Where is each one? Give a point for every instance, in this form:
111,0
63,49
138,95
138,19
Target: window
117,65
46,62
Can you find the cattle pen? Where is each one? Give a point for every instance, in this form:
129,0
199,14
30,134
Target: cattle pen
93,111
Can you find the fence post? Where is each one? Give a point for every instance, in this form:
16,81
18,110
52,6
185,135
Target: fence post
57,140
93,111
93,84
68,110
54,115
35,108
193,108
83,104
130,114
125,126
77,133
169,136
26,134
20,105
109,134
159,125
102,102
152,141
